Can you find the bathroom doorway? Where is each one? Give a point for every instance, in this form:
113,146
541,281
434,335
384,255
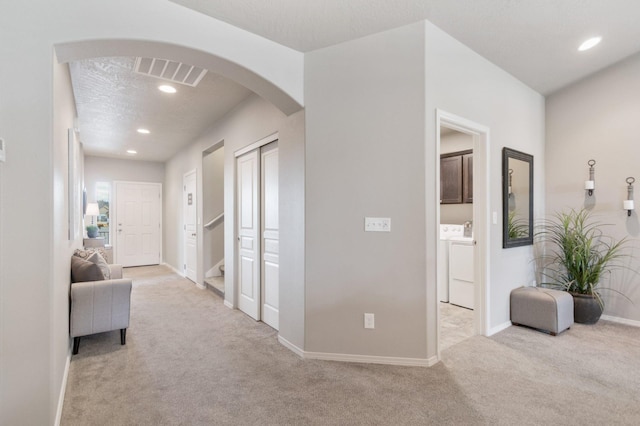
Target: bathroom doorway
462,229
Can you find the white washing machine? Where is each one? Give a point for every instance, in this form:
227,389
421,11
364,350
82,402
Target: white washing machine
461,272
447,231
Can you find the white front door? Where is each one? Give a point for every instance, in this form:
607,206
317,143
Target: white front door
247,167
138,218
190,226
270,235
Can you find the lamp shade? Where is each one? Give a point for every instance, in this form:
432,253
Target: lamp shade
92,209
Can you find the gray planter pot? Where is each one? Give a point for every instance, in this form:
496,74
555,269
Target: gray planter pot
586,309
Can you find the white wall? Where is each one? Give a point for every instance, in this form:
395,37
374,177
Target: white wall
461,82
364,157
63,119
251,121
101,169
212,207
34,248
29,290
597,118
34,271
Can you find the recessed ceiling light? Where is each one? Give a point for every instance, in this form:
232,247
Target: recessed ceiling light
589,43
167,89
132,151
144,131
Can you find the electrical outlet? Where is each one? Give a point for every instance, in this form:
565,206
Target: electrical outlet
369,321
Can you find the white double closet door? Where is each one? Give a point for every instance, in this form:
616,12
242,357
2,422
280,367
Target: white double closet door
258,234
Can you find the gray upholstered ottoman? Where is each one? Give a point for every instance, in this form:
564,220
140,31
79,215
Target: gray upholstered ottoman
542,308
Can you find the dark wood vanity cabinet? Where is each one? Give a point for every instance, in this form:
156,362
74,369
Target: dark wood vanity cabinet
456,177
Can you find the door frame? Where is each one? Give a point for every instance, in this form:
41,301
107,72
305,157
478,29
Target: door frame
236,247
481,216
184,234
113,218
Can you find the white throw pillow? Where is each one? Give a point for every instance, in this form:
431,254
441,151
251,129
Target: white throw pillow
102,264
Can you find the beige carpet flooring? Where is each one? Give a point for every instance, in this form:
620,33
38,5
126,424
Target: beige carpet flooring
189,360
456,325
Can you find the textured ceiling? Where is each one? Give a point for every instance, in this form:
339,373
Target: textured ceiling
113,102
535,41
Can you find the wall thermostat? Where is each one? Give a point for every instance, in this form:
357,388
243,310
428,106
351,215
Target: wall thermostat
3,155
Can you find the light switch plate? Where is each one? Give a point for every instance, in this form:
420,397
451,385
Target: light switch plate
369,321
377,224
3,155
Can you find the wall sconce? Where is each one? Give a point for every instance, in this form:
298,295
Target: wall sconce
628,203
590,184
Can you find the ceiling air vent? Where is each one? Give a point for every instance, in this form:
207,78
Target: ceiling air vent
170,70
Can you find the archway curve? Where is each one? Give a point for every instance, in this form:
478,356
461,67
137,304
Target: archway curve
87,49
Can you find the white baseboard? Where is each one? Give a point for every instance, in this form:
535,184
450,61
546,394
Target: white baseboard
173,269
201,286
228,304
499,328
293,348
63,389
619,320
366,359
215,270
371,359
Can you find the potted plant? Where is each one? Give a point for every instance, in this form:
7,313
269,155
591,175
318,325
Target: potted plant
92,231
517,227
577,255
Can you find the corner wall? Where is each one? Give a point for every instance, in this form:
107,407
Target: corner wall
34,295
364,157
63,119
597,118
371,132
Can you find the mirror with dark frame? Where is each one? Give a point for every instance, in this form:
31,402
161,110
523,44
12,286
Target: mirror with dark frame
517,198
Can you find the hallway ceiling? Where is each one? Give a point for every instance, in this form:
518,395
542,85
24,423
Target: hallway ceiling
536,41
113,101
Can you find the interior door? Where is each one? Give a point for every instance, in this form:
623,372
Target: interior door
270,235
138,218
190,226
247,167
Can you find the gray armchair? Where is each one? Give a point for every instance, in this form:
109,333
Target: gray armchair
100,306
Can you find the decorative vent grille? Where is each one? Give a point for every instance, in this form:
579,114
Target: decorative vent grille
170,70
